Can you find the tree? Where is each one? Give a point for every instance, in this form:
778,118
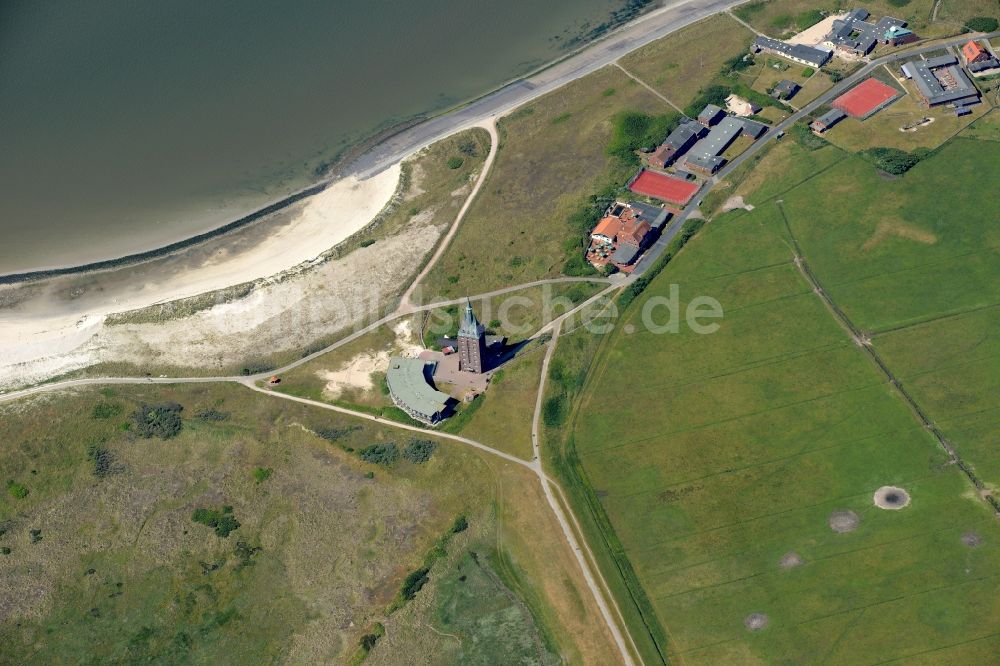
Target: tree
982,24
163,421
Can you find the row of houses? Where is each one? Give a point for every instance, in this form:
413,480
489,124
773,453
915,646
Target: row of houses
853,35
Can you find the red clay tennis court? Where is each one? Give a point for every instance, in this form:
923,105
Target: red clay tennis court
664,188
865,98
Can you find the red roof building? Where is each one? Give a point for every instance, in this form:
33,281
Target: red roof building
866,98
973,52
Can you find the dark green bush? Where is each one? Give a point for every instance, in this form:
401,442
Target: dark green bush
103,460
553,411
222,521
413,583
368,242
163,421
982,24
635,130
460,525
455,162
262,474
419,450
380,454
713,94
891,160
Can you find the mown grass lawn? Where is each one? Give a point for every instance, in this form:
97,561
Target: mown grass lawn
895,251
714,456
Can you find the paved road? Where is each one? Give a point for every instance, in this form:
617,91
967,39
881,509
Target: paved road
650,257
593,57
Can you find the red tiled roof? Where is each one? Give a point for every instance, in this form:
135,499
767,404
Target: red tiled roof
972,51
663,187
609,226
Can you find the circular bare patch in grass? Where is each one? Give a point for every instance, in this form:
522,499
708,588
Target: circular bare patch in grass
756,621
971,539
891,498
843,521
789,560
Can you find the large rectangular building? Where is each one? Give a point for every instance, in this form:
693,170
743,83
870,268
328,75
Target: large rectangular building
706,154
805,55
941,80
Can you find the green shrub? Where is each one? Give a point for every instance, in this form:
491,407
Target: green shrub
806,138
468,147
561,118
455,162
380,454
982,24
17,490
211,415
460,525
738,63
635,130
106,410
163,421
553,411
836,77
891,160
368,242
713,94
413,583
222,521
333,434
103,460
608,92
808,71
419,450
262,474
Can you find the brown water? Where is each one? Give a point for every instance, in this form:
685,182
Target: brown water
130,124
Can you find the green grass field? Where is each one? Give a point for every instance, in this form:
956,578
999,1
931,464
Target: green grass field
679,64
711,457
104,563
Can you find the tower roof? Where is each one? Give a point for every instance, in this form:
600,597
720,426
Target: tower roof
470,326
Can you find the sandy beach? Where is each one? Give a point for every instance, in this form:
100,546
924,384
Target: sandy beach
33,328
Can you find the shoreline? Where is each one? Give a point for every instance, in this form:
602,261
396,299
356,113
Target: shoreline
343,166
334,175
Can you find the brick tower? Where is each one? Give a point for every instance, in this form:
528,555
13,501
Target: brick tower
471,342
